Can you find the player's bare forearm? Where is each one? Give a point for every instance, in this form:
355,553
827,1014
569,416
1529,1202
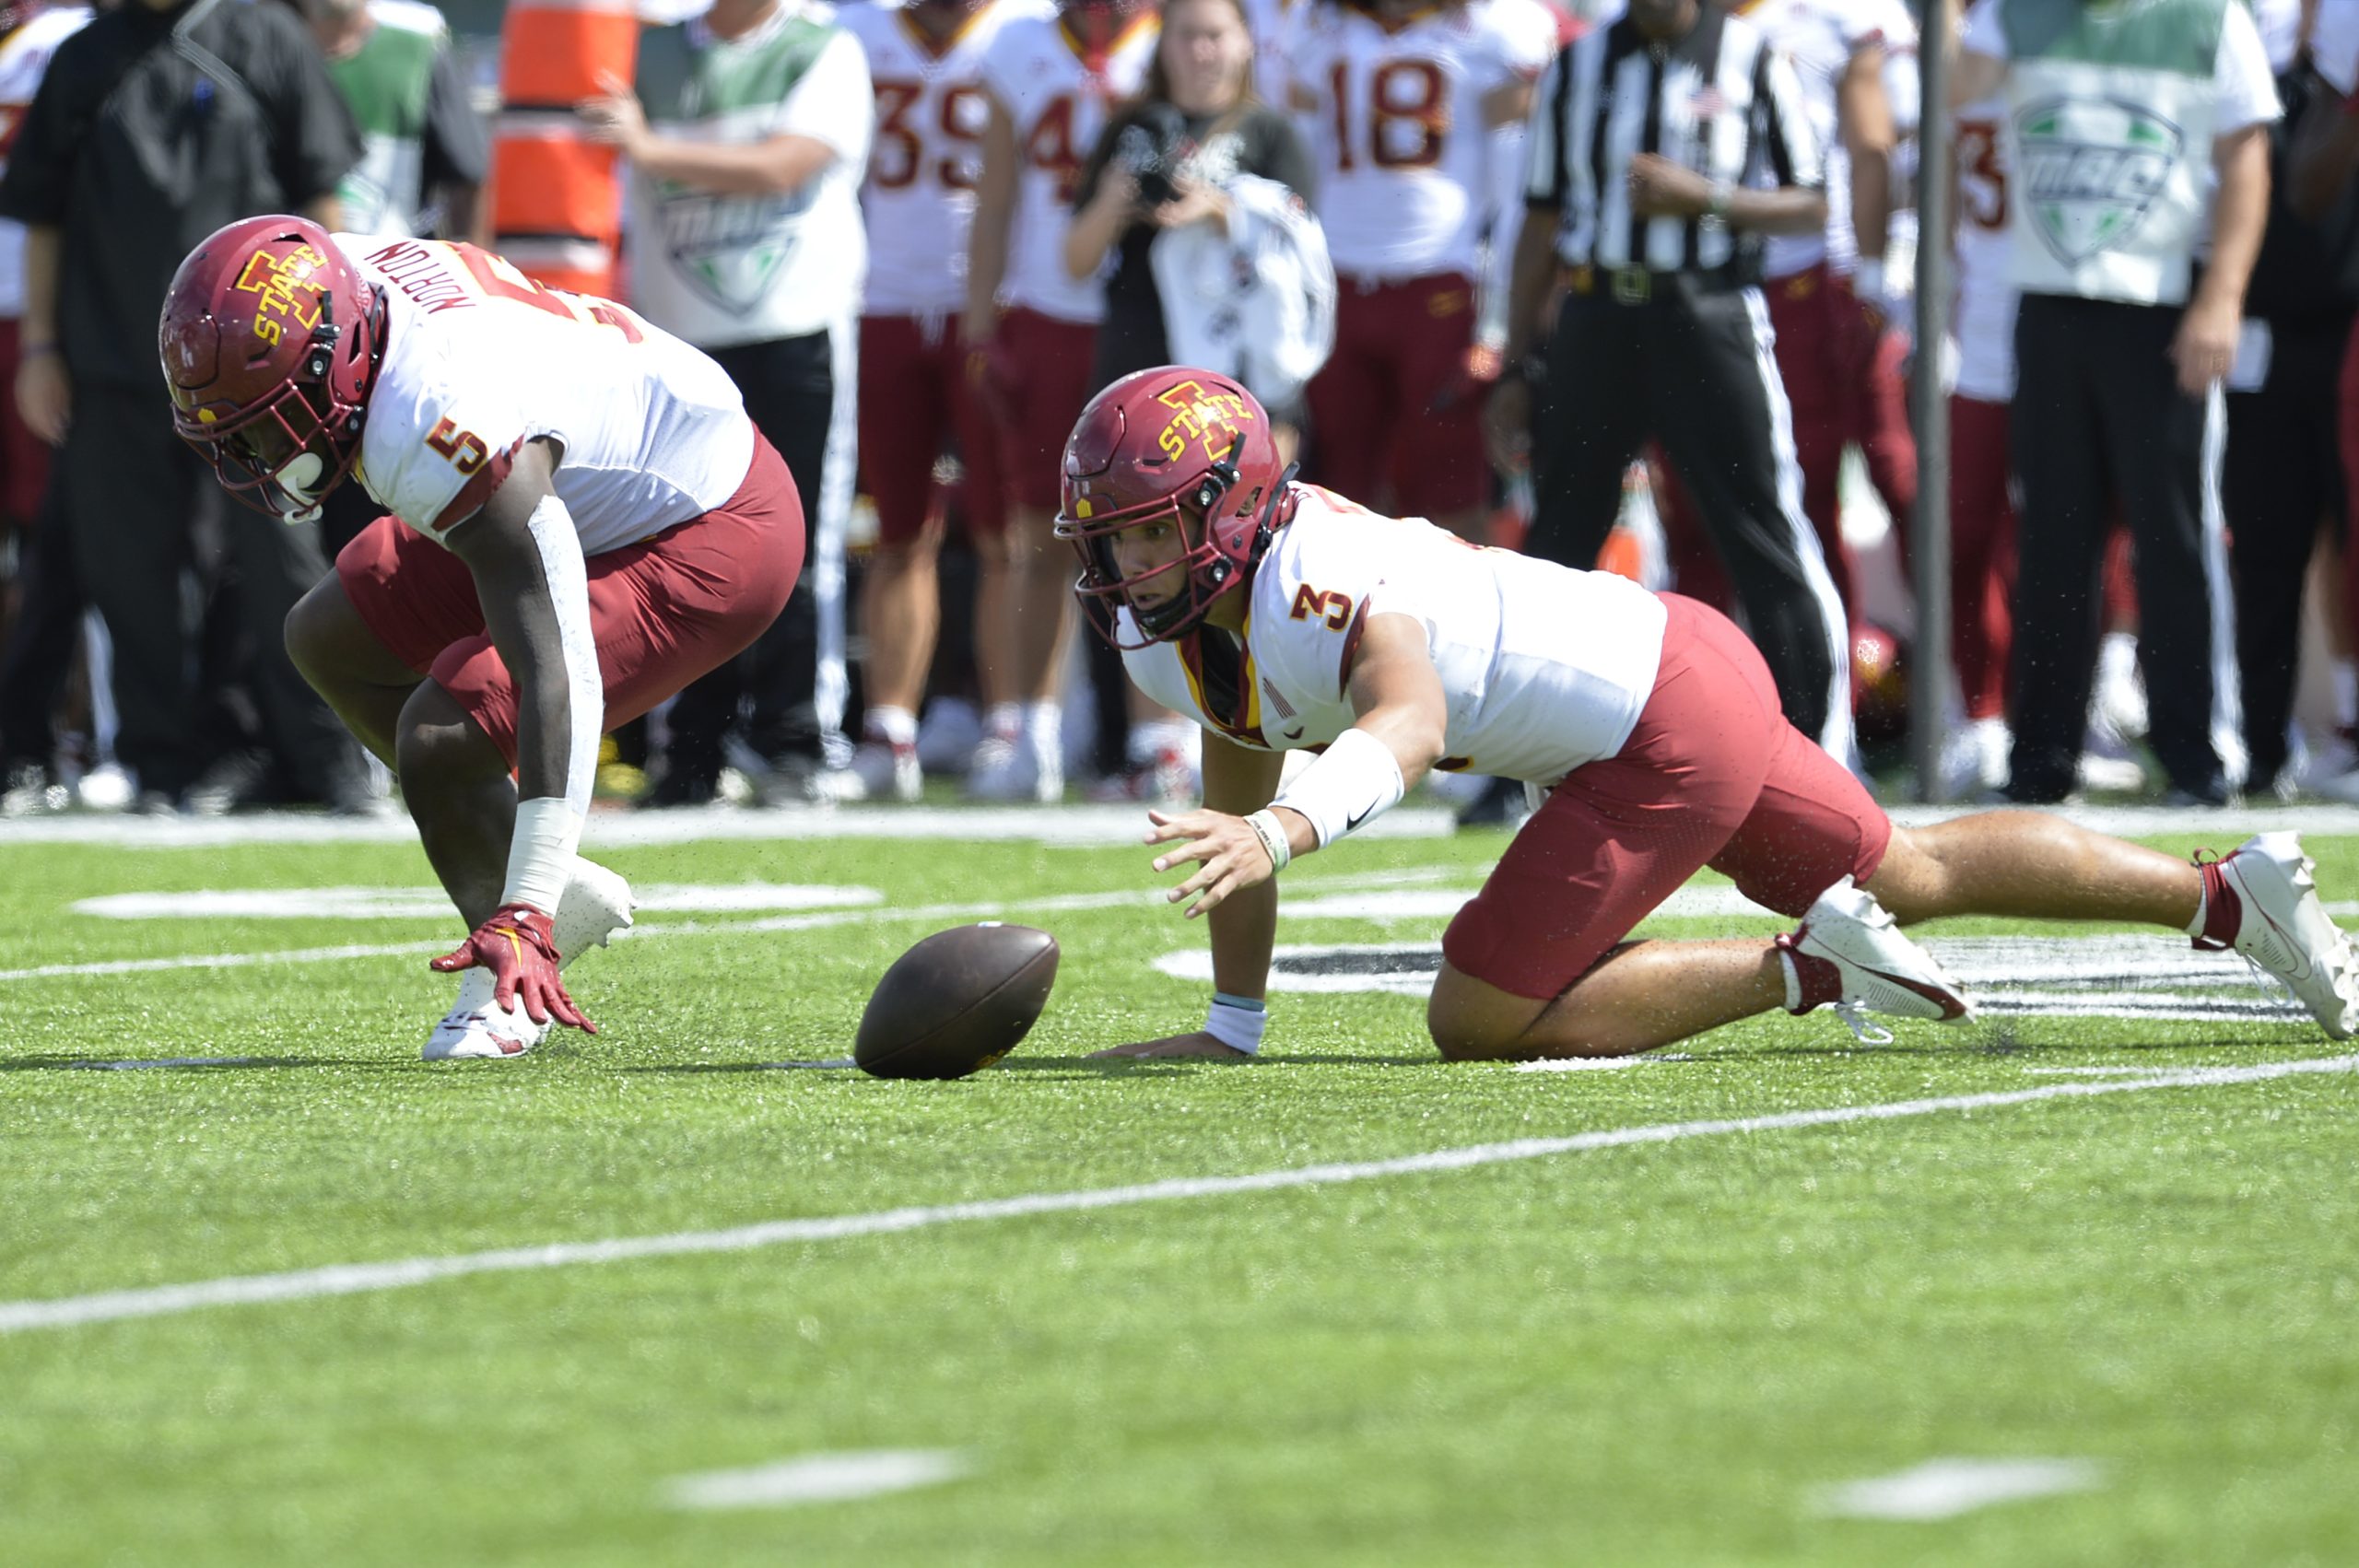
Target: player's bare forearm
1534,269
987,238
2239,214
520,614
36,327
326,210
1789,209
778,166
1244,931
1865,110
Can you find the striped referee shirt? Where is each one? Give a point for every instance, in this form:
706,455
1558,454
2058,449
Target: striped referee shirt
1721,102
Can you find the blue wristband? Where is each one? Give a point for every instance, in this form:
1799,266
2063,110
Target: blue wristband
1249,1003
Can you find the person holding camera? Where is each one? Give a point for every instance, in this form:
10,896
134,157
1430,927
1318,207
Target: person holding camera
1160,167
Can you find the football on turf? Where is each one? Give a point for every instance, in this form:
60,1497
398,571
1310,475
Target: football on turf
956,1002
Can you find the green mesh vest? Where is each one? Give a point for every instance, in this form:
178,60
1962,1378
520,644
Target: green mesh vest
385,84
2110,106
720,269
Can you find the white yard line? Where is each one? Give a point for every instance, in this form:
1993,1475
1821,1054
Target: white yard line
1942,1489
352,1278
816,1478
988,909
1073,826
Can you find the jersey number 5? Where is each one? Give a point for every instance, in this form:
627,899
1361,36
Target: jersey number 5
1335,609
464,449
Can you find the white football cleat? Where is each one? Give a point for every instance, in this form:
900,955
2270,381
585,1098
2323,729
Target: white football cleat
479,1027
597,904
1849,954
1016,767
2283,927
887,771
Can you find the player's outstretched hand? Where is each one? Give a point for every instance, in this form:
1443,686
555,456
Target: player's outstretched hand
1196,1044
1231,852
516,946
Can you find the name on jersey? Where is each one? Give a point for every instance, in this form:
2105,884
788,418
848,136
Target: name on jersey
419,274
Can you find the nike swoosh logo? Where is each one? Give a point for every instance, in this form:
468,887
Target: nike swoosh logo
1354,822
1294,733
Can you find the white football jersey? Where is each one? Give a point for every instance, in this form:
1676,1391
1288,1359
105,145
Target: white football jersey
1986,299
1395,118
479,359
1543,668
1820,37
1058,100
927,152
24,56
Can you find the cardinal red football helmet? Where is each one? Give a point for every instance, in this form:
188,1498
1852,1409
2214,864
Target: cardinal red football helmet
270,340
1177,443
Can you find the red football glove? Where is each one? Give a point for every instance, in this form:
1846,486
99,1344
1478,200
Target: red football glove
515,945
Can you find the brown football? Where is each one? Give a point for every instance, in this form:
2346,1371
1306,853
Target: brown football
956,1002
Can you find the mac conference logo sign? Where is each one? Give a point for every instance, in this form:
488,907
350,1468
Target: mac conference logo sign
2091,171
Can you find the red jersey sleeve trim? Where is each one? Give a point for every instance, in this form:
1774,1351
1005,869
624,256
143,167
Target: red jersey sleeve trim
478,488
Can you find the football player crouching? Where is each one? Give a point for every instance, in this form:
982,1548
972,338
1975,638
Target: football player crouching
1280,616
579,519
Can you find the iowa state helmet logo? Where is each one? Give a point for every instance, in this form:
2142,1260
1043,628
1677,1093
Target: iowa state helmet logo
2091,169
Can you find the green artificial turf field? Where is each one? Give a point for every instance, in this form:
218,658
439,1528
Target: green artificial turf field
2097,1248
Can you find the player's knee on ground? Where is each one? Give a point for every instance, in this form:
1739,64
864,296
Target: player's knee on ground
1470,1021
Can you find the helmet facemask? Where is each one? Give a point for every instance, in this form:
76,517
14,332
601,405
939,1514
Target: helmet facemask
1215,557
270,341
283,455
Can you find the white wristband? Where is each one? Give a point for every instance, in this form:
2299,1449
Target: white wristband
1236,1027
1272,835
540,856
1355,779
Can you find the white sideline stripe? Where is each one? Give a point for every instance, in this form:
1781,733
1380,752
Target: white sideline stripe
353,1278
1942,1489
819,1478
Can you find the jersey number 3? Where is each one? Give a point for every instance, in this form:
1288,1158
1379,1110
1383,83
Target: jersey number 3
463,448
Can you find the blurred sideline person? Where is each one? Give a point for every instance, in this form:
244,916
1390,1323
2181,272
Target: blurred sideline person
925,63
580,520
1284,617
426,148
2282,482
1162,165
1838,357
41,598
1401,101
154,125
2122,344
1031,328
1661,152
746,130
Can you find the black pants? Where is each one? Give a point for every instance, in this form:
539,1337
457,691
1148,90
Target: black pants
790,389
2283,478
2098,415
153,535
40,653
1691,367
